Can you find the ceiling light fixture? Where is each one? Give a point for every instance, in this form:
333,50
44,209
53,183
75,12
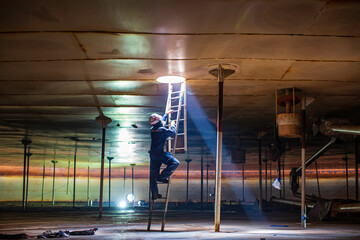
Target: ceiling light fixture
171,79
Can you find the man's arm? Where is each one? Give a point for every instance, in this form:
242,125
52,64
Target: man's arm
172,131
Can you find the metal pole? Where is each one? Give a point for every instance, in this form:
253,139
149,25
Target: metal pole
270,181
187,180
207,184
279,175
124,184
220,73
27,177
67,182
357,168
43,184
88,187
110,158
104,121
243,182
283,176
303,172
347,176
266,178
202,181
132,182
53,189
25,142
260,179
74,189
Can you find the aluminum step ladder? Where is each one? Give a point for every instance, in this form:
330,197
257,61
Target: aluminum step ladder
176,101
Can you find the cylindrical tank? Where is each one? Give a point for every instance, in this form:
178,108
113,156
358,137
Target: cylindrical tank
289,125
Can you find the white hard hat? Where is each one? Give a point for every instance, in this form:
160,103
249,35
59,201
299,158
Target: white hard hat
154,118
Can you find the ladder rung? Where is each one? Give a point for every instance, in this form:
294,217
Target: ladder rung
181,134
183,105
175,92
175,97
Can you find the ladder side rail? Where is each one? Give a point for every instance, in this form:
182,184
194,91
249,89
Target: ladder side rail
185,118
150,214
178,117
168,106
166,205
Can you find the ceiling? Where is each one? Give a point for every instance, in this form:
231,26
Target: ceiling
62,63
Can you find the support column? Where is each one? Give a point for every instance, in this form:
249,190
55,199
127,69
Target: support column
124,196
207,184
202,180
25,142
260,179
220,73
187,180
27,176
104,121
243,182
53,188
303,170
357,168
132,182
110,158
74,184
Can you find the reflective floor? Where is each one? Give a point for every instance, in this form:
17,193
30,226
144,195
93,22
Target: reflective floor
181,224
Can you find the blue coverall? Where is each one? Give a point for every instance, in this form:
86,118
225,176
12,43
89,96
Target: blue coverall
158,156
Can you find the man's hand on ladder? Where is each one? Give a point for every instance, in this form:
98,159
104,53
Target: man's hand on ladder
169,111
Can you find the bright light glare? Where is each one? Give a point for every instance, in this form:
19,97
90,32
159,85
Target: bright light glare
122,204
130,197
170,79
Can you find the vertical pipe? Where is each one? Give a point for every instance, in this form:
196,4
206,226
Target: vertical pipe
110,159
279,175
202,181
132,182
347,177
67,181
266,184
260,179
27,177
243,182
219,150
270,177
357,168
88,186
207,184
109,182
25,142
53,188
74,190
303,170
43,183
317,179
124,194
283,176
187,180
102,170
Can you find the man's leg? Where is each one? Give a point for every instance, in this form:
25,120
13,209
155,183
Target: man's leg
155,164
171,164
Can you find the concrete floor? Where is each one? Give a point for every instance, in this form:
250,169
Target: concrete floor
181,224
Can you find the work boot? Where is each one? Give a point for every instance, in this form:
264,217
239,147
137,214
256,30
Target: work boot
156,196
162,180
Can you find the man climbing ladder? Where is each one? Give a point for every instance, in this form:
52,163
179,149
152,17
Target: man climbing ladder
176,106
158,156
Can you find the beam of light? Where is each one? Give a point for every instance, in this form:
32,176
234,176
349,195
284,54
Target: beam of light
208,132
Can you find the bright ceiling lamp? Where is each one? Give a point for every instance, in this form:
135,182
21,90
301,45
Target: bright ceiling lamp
170,79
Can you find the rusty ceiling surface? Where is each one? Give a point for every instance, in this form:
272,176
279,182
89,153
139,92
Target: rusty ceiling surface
64,62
